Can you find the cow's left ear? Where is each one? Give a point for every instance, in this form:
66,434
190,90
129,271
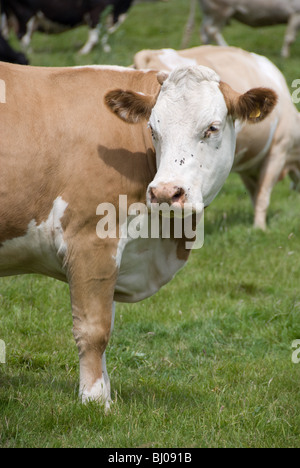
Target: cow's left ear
130,106
253,106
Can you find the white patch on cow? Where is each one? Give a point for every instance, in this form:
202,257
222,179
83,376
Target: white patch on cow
30,27
100,392
186,156
124,239
116,26
261,155
4,26
266,67
171,59
117,68
145,266
41,250
2,92
93,39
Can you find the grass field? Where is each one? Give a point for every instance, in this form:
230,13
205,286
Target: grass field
207,362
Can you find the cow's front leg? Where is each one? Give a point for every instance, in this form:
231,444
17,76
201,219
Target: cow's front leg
93,40
30,28
92,285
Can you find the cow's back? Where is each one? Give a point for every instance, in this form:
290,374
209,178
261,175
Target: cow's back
255,13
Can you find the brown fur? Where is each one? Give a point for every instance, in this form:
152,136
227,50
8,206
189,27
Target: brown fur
253,106
130,106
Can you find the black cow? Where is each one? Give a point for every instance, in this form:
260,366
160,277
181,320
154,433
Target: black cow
59,15
8,54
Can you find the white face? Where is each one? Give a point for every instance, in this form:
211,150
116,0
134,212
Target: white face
194,139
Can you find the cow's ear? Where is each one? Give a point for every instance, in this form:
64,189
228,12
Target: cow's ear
253,106
162,76
130,106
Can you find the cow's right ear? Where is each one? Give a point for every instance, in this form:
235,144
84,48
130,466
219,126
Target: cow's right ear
130,106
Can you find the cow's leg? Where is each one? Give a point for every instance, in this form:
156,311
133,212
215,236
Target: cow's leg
104,43
4,26
104,369
211,32
92,280
111,30
188,30
269,176
30,27
250,183
93,40
291,34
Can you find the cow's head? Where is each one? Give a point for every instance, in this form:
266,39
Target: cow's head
192,124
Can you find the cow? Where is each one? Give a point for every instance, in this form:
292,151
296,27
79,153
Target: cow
256,13
61,15
8,54
92,135
264,153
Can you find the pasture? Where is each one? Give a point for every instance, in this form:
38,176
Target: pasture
207,362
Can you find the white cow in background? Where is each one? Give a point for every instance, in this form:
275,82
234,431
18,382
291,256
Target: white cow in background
255,13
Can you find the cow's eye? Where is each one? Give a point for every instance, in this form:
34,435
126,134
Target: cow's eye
213,129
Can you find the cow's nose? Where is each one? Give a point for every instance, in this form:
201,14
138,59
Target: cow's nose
168,193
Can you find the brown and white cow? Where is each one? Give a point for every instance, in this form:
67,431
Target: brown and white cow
75,139
264,153
218,13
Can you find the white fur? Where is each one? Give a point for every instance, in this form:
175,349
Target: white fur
100,391
171,59
269,71
146,265
189,103
30,29
41,250
93,39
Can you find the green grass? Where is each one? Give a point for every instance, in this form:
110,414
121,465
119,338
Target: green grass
204,363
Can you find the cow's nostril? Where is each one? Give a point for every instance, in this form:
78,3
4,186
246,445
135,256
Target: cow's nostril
178,195
153,197
167,193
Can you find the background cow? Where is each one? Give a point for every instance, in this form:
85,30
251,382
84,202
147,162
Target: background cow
264,153
255,13
8,54
65,169
60,15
